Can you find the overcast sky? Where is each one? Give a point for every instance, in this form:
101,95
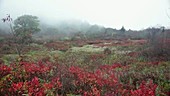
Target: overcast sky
133,14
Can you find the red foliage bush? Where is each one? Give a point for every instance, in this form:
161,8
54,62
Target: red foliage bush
146,89
41,79
4,70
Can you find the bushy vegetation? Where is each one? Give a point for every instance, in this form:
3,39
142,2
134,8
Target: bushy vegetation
83,72
39,79
97,62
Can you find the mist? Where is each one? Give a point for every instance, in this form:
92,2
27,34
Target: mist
85,47
133,14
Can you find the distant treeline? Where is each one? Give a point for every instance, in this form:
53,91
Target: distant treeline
76,30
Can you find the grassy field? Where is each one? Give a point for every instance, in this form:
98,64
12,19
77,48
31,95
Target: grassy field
88,68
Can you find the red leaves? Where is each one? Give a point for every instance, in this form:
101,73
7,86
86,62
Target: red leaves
35,67
145,89
32,88
110,67
56,82
4,70
48,86
92,83
35,88
38,79
35,81
17,86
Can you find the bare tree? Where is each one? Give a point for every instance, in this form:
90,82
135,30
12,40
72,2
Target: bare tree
9,21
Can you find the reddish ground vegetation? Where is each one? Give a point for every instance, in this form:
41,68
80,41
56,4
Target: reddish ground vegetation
40,79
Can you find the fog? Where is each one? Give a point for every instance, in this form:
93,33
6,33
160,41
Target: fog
133,14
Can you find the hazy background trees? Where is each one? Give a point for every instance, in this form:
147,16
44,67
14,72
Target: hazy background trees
24,27
21,31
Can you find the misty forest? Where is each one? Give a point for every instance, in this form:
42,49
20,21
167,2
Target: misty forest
77,48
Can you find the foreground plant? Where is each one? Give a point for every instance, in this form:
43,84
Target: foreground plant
45,78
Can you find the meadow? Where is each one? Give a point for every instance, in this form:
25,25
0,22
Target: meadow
83,68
